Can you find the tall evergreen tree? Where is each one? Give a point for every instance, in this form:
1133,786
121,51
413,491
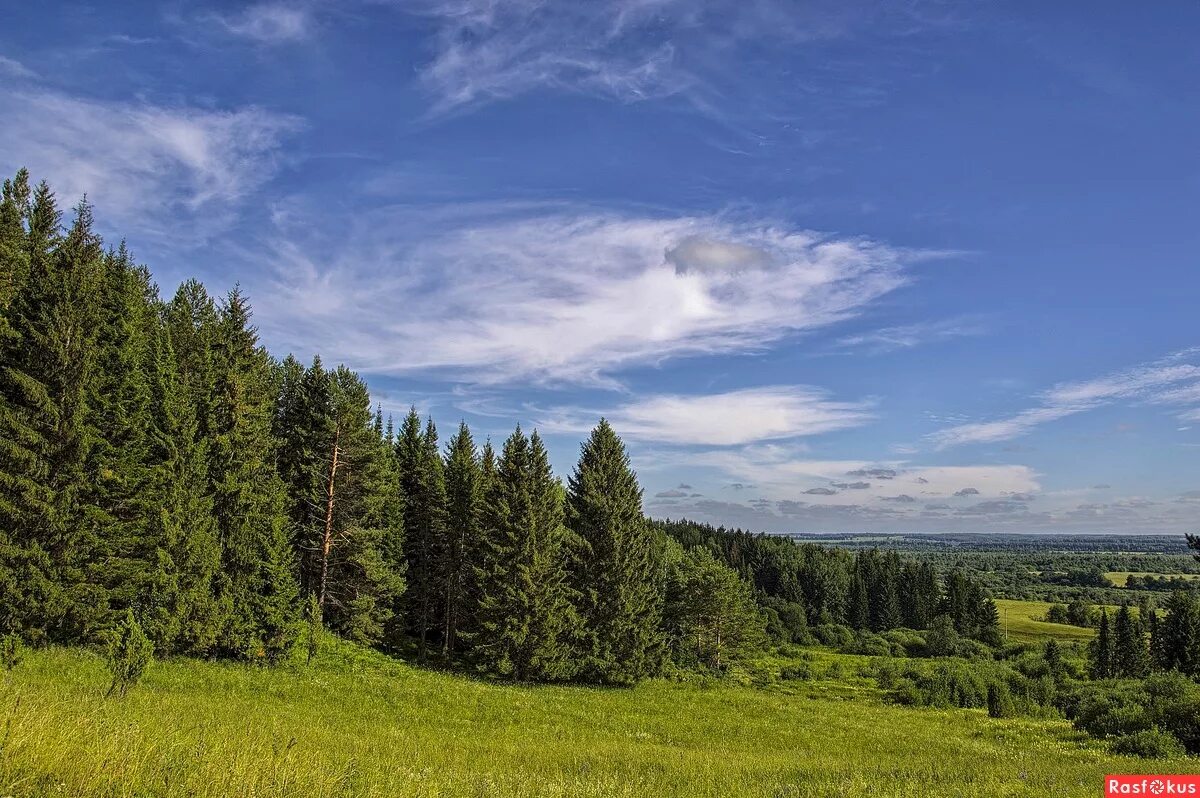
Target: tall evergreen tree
47,368
618,569
1129,655
14,257
1101,653
423,486
1179,633
255,585
464,506
526,621
180,546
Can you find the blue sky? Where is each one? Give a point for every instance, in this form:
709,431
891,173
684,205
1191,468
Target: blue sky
834,266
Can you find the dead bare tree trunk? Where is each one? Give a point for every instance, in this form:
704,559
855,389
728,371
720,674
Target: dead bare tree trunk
327,538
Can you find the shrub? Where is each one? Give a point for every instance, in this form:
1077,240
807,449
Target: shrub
799,672
870,644
1149,743
12,651
835,671
831,634
130,652
999,701
314,628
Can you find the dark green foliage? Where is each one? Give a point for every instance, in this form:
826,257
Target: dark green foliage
130,652
1149,743
1100,654
314,628
1177,638
1168,702
464,517
527,623
618,565
255,586
344,510
12,652
999,701
1130,657
47,377
422,483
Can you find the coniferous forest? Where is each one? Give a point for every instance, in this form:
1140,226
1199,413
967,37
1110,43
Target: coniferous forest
169,489
159,463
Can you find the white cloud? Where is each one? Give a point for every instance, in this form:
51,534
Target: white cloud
14,68
726,419
1152,382
628,50
518,293
888,339
147,168
270,23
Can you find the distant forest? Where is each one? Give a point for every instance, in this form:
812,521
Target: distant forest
159,468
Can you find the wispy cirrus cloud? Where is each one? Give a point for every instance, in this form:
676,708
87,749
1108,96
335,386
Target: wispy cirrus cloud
908,336
270,22
146,167
1155,382
750,415
555,294
627,50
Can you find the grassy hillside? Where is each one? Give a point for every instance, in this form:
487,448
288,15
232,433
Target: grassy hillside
356,724
1022,621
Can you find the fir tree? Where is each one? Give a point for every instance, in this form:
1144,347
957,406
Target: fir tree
255,585
423,486
526,620
48,358
1101,654
618,569
1129,656
464,485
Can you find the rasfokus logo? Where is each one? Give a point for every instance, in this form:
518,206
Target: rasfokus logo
1151,785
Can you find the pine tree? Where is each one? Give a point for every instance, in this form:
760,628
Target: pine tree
423,486
526,620
858,605
618,569
255,585
464,505
48,359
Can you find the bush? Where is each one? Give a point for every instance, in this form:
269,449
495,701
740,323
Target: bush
999,701
130,652
870,644
1149,743
12,651
799,672
831,634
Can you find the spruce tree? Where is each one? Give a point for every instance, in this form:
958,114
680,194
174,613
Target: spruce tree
618,569
1130,658
464,484
526,621
423,487
256,584
47,368
14,257
1101,654
181,546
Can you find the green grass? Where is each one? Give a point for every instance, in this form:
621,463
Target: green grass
356,724
1119,578
1022,621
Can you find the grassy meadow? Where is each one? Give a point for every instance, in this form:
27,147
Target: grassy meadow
1120,578
358,724
1022,622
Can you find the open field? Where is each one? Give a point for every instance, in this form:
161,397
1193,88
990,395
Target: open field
1021,620
356,724
1119,578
